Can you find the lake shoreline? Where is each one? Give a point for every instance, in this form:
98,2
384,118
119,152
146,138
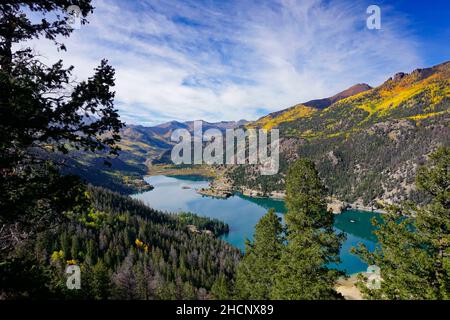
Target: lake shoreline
178,193
335,205
168,170
221,188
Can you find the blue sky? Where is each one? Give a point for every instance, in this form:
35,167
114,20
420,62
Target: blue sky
430,23
228,60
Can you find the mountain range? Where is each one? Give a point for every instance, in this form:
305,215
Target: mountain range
306,109
366,142
141,148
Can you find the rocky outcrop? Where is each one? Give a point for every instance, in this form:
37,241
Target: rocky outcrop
336,206
194,229
219,188
216,193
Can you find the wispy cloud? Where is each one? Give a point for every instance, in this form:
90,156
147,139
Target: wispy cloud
218,60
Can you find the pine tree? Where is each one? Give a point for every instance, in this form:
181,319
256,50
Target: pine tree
220,290
256,272
43,111
188,292
125,279
75,247
101,282
414,251
311,241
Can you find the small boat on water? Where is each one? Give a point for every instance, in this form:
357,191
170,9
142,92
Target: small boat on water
185,187
352,221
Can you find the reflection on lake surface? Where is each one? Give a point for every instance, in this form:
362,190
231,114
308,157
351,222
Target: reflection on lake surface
177,194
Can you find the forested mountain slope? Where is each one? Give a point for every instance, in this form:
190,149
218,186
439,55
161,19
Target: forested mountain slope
367,146
127,250
306,109
141,147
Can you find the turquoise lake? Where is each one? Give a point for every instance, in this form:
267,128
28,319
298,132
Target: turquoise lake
177,194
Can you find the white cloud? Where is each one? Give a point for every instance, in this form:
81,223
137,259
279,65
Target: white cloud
228,60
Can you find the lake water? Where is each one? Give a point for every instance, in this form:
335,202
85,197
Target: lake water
177,194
